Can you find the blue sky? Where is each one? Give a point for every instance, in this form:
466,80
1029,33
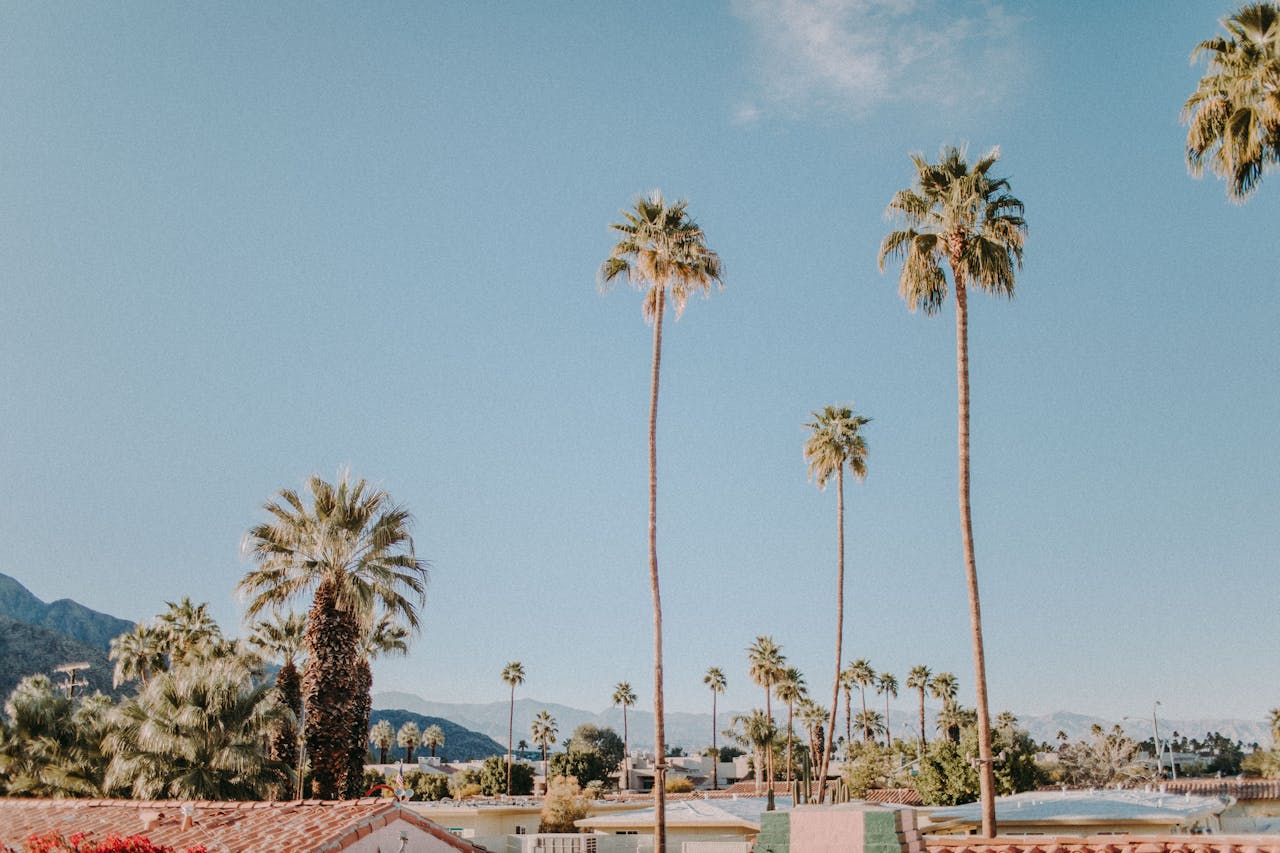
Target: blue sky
245,243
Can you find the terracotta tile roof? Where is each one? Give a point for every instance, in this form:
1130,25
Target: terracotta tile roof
1104,844
307,826
1241,789
896,796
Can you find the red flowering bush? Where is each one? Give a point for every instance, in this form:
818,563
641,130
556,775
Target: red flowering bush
79,842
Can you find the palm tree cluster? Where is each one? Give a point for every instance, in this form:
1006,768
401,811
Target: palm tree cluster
199,725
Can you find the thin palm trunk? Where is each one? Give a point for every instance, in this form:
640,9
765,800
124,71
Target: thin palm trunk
715,759
848,716
790,716
835,686
659,733
768,712
626,752
888,734
986,774
866,729
922,738
511,721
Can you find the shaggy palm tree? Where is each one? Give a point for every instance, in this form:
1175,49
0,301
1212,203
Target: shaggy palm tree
383,736
409,738
433,738
790,689
350,551
138,654
871,723
861,674
1007,724
944,688
1234,113
767,664
958,214
920,678
512,674
887,684
543,731
282,639
195,733
759,732
664,253
188,629
835,443
812,716
626,697
715,681
50,745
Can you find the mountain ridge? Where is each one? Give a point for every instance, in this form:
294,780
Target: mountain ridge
692,731
64,616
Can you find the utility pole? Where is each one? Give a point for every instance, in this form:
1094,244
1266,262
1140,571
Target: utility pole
70,670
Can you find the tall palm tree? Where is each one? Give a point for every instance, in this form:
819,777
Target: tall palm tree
887,684
664,253
433,738
1234,113
861,674
835,443
544,731
349,549
767,664
282,639
384,737
138,654
715,681
790,689
920,678
626,697
959,214
512,674
195,733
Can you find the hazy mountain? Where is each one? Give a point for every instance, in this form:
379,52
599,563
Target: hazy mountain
460,744
693,731
65,616
31,649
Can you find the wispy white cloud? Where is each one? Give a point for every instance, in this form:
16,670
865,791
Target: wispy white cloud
854,55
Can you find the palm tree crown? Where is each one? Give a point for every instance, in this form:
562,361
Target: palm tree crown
1233,116
959,214
661,251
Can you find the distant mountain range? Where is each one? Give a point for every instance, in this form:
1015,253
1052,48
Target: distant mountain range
693,731
36,637
65,616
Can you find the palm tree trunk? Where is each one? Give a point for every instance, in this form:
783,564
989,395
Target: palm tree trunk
866,723
626,752
715,759
848,717
922,741
790,715
511,722
835,686
362,709
332,638
659,732
986,774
